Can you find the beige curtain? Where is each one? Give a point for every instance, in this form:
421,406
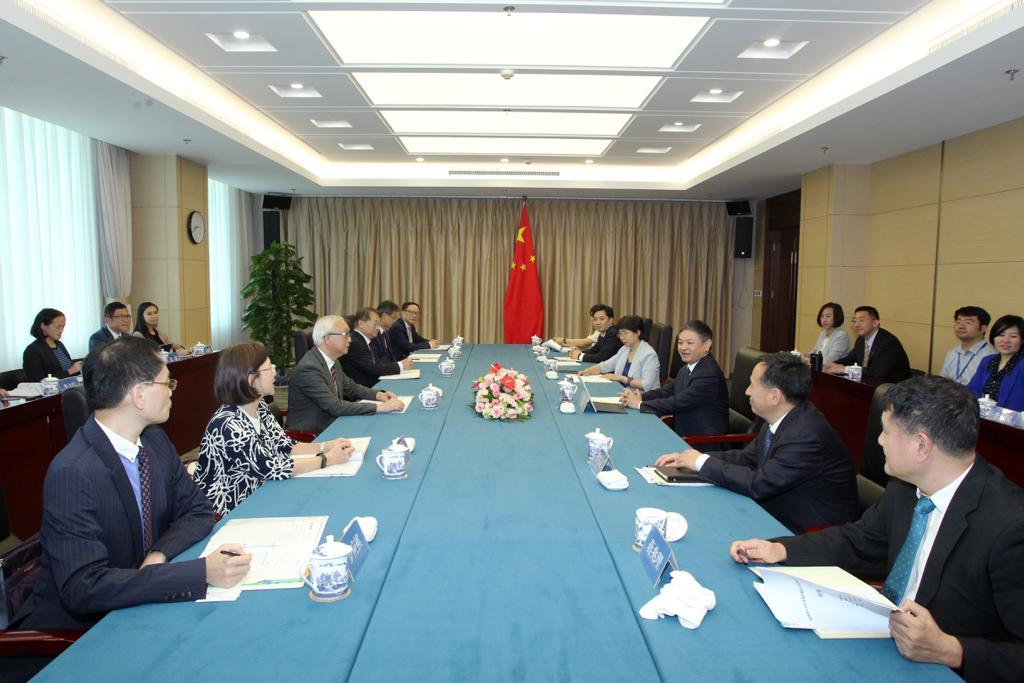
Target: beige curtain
669,261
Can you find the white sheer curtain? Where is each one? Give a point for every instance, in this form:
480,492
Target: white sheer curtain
236,233
48,234
114,202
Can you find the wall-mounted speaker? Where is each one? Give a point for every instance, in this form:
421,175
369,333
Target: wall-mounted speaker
279,202
741,208
744,242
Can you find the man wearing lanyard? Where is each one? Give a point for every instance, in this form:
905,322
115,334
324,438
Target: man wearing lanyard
970,324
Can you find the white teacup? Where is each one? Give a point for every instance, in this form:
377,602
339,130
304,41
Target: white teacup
429,397
455,352
986,405
672,525
447,367
598,443
328,571
392,461
535,340
854,372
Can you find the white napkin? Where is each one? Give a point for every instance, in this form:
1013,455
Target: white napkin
613,480
555,346
682,598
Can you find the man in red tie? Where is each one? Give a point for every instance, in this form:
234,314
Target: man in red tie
118,504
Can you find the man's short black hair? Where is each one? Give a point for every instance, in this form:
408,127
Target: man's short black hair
387,307
973,312
943,409
602,307
364,314
870,310
407,304
788,373
700,327
1004,323
113,307
44,317
837,314
114,368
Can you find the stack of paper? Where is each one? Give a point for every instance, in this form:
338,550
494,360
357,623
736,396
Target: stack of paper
404,374
596,379
425,357
406,401
831,602
651,477
346,469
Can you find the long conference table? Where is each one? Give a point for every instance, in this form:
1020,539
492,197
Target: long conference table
500,557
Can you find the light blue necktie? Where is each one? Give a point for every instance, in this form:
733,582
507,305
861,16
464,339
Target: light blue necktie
767,444
896,585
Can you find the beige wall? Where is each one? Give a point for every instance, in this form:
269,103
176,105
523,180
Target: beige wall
917,236
167,268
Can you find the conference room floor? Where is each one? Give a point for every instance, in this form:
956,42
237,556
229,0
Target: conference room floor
500,557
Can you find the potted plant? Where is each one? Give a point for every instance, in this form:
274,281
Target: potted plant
279,301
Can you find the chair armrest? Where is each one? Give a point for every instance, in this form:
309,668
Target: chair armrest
300,435
719,438
669,420
36,643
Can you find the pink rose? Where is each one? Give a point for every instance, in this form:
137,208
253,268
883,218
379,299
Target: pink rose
496,412
512,415
479,407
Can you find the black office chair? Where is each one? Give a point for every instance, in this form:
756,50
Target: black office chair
303,343
661,340
872,458
12,378
645,332
76,410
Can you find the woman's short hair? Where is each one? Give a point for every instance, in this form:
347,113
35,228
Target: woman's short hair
44,317
633,323
236,366
837,314
140,320
1003,324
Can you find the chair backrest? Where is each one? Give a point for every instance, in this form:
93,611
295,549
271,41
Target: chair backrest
662,343
746,359
21,571
872,458
868,492
12,378
645,333
303,343
75,408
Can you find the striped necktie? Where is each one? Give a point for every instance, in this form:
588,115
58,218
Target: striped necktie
768,436
146,493
334,377
896,585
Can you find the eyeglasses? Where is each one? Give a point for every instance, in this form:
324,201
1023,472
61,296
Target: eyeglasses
171,384
337,334
122,316
272,368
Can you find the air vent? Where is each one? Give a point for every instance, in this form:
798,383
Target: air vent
549,174
974,23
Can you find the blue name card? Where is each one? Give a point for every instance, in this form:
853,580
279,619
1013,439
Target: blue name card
68,382
360,548
655,555
600,460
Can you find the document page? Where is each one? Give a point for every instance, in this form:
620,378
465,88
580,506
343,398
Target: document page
406,400
405,374
360,445
425,357
280,548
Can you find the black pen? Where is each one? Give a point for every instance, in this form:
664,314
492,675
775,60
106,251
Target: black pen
229,553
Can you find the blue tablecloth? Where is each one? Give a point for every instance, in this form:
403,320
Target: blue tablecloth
499,558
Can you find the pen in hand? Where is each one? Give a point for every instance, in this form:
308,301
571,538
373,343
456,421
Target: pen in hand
229,553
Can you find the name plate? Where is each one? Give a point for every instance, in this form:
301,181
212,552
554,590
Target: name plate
655,555
600,461
68,382
360,548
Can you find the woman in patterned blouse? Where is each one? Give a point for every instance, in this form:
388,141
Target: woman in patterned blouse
243,445
1001,375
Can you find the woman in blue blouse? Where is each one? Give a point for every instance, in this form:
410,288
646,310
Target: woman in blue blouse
243,445
635,364
47,355
1001,375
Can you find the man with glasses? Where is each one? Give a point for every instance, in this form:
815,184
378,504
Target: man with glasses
117,321
381,344
361,363
404,338
877,350
118,504
318,388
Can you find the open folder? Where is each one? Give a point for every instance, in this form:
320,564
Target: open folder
831,602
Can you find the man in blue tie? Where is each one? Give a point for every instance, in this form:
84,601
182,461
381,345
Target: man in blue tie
797,469
950,527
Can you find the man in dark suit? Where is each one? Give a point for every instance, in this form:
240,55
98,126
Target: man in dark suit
697,398
403,337
381,344
951,529
797,469
361,363
885,358
608,342
117,321
318,388
118,504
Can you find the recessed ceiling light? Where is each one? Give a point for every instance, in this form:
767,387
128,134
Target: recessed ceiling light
716,96
412,121
776,50
330,123
496,39
653,150
588,161
234,42
679,128
291,91
355,146
525,90
520,147
678,123
419,158
504,160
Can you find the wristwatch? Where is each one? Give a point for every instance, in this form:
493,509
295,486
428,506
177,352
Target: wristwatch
323,461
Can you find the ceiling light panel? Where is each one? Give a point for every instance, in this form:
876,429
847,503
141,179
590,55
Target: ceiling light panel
653,150
758,50
330,123
504,123
287,90
673,128
723,97
230,42
505,146
355,146
491,90
519,39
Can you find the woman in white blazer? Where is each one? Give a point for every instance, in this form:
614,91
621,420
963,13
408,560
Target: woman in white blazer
833,342
636,363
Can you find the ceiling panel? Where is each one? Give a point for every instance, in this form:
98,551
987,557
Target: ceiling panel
675,94
337,90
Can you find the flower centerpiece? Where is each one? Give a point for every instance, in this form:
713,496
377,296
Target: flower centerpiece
503,394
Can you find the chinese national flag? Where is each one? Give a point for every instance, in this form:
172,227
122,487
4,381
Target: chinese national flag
524,306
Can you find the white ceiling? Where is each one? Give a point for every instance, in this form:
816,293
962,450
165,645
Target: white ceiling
47,76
